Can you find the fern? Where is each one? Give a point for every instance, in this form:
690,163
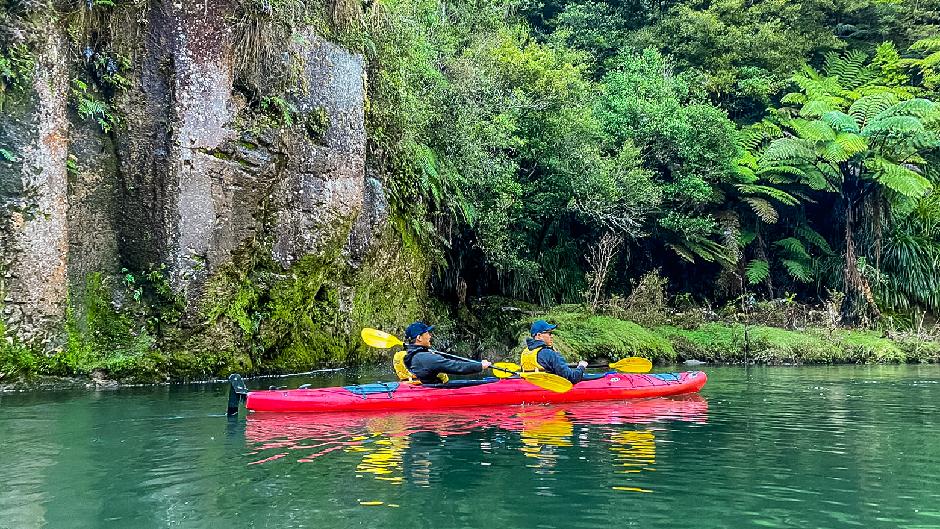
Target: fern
818,107
851,143
789,149
798,270
814,130
869,106
840,121
813,237
763,209
756,271
772,192
894,126
898,178
794,248
833,152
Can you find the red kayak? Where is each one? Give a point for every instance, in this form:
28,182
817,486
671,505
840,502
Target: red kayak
462,393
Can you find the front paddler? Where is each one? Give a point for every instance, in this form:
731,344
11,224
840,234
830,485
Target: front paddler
420,362
539,355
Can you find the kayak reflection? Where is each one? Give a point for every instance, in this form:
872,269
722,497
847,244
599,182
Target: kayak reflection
545,431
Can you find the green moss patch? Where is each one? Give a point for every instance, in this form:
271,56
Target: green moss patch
581,336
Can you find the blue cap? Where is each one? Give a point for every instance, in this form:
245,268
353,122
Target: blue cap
540,326
417,329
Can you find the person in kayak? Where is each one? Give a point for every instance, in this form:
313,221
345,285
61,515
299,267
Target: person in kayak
420,362
539,355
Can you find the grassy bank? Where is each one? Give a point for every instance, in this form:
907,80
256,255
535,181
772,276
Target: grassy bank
593,336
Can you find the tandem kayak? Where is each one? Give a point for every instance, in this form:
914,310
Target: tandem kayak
463,393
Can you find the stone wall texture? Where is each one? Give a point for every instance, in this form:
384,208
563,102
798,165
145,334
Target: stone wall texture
183,181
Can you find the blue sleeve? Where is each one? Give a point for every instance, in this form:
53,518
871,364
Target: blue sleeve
554,363
454,367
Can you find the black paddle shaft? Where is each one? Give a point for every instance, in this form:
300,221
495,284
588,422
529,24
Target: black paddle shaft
455,357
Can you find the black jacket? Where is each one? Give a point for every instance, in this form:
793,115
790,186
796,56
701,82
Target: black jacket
553,362
426,364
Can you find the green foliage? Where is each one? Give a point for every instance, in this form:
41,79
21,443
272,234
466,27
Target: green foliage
89,107
105,336
727,343
17,360
757,271
588,337
16,69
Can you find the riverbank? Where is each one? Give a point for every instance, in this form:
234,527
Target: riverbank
495,328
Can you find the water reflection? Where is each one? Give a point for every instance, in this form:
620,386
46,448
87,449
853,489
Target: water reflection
388,449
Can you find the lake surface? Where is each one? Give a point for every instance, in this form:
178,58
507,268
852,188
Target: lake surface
806,447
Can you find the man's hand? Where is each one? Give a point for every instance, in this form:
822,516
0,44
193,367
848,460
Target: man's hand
582,364
486,364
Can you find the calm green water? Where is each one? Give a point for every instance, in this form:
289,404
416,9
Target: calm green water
819,447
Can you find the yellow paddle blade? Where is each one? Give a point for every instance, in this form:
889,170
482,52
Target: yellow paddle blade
508,366
378,339
632,365
548,381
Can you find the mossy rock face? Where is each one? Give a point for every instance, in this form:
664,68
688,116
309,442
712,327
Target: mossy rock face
589,337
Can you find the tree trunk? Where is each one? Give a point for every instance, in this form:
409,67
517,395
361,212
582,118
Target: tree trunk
858,306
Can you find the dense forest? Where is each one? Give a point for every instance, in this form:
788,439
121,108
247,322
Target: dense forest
772,147
550,152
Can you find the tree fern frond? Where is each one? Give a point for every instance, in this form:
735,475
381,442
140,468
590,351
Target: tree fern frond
815,130
898,178
798,270
756,271
840,121
772,192
928,44
682,252
794,98
894,125
917,107
794,248
788,149
833,152
851,143
814,238
869,106
763,209
818,107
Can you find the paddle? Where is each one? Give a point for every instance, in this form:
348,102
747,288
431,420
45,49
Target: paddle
383,340
624,365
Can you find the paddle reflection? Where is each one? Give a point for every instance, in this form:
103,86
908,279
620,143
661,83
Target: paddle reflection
383,441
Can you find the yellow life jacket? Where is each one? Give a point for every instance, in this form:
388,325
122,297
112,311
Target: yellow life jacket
529,360
403,374
407,376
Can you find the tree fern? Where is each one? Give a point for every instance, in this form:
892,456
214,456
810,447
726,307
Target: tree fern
793,247
867,107
898,178
772,192
799,270
763,209
757,271
840,121
814,238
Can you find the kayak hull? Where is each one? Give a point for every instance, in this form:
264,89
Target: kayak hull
395,396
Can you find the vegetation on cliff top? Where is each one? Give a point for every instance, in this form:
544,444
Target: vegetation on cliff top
556,152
